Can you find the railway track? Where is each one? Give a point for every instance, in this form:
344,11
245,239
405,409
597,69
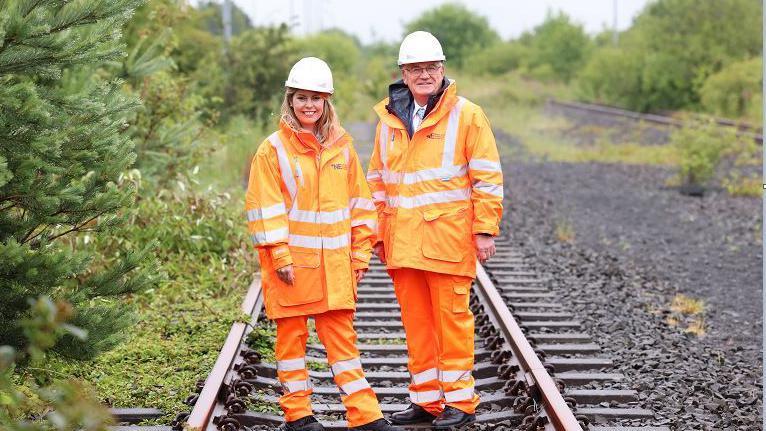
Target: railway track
534,368
742,129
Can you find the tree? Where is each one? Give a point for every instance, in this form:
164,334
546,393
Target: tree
250,80
459,30
63,146
557,43
675,45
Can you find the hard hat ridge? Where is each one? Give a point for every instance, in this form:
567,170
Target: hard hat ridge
420,46
311,73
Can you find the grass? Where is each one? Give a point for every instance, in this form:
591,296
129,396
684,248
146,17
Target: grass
564,231
182,323
688,313
514,104
745,186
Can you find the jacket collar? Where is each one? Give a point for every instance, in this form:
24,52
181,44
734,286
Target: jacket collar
399,105
304,141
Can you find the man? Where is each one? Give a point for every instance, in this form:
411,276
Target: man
437,185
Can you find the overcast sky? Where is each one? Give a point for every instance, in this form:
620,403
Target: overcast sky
384,20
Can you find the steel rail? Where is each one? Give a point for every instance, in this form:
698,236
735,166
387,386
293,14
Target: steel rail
743,129
209,403
556,409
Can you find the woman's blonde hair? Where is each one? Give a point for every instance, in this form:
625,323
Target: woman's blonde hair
325,129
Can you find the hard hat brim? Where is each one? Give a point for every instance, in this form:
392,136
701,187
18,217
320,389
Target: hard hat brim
421,60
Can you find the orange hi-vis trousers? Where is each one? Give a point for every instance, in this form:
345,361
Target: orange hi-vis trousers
336,331
439,327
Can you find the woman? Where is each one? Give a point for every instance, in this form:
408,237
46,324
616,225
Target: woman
311,217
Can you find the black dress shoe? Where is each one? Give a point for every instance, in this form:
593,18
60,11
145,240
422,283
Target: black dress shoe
452,417
306,423
377,425
414,414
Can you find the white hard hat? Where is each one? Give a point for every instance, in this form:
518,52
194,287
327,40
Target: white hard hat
310,73
418,47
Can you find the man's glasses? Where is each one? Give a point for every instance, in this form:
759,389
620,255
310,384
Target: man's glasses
431,69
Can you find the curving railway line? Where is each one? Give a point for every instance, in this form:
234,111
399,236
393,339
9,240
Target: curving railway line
534,367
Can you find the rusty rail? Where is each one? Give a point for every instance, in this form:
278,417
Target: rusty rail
209,404
537,378
743,129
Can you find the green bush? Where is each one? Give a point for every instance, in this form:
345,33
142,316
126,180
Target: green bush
736,91
497,59
671,50
611,76
557,47
700,147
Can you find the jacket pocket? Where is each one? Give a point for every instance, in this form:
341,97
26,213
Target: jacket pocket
307,287
444,234
460,299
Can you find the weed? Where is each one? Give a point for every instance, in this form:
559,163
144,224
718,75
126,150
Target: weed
688,312
261,339
564,231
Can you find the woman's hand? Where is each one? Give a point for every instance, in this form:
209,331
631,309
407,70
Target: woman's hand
359,273
286,274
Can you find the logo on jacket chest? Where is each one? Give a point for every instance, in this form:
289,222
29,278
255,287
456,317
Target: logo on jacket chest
435,136
338,165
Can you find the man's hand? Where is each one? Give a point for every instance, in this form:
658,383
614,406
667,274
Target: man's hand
286,274
359,274
485,247
380,251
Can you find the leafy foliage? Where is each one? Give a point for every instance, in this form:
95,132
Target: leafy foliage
736,91
557,45
700,147
63,145
671,50
459,30
499,58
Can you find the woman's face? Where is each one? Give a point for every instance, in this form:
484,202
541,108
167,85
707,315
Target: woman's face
308,107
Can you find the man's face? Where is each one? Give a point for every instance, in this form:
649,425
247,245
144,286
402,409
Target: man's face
423,79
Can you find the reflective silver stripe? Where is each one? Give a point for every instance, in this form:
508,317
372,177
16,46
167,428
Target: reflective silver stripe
319,242
459,395
391,177
425,376
291,364
372,224
284,165
256,214
383,144
345,155
269,236
425,396
484,165
374,175
490,188
430,198
453,376
295,386
361,203
379,196
355,386
443,173
326,217
450,137
350,364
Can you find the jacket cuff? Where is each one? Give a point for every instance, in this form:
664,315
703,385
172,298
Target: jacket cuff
280,255
358,264
486,229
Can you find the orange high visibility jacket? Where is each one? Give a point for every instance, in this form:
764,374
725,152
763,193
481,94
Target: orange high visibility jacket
310,207
434,191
